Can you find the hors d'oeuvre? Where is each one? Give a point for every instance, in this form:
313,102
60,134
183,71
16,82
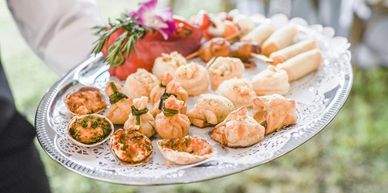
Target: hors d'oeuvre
238,130
280,39
131,146
168,63
259,34
272,80
86,100
185,150
302,64
274,112
193,77
283,55
158,90
224,68
141,119
89,130
210,110
237,90
214,48
173,88
120,104
170,123
139,84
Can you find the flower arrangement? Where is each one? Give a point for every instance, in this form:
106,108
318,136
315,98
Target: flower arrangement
135,39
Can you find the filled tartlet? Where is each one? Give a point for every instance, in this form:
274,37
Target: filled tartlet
89,130
86,100
185,150
131,146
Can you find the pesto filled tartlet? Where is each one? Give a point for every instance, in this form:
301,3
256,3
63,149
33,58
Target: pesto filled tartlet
131,146
86,100
89,130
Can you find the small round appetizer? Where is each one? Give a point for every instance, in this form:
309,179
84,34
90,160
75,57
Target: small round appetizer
89,130
185,150
86,100
131,146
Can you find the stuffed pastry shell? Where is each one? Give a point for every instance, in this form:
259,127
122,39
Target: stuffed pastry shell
168,63
140,118
86,100
185,150
224,68
194,78
238,130
120,104
139,84
89,130
131,146
158,90
274,112
170,123
237,90
273,80
209,110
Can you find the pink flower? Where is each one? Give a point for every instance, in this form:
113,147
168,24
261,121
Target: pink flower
158,19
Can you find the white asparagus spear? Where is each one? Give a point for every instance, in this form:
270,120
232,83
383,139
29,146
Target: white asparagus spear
259,34
280,39
282,55
302,64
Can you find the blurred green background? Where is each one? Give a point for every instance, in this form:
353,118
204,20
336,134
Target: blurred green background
350,155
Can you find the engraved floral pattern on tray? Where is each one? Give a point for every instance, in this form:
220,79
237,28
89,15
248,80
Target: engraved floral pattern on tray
319,96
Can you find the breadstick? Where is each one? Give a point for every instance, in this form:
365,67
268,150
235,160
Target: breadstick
302,64
259,34
280,39
284,54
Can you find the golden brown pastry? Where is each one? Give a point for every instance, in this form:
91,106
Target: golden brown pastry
170,123
272,80
237,90
130,146
274,112
120,104
209,110
193,77
238,130
284,54
168,63
224,68
158,90
140,118
173,88
280,39
185,150
139,84
302,64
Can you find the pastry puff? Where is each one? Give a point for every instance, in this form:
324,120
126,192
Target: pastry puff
302,64
282,55
274,112
280,39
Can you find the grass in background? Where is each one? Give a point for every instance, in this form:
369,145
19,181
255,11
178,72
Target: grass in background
350,155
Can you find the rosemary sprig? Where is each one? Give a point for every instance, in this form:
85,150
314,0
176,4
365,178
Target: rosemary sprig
124,44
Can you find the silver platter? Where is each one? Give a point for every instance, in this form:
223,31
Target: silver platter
319,97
